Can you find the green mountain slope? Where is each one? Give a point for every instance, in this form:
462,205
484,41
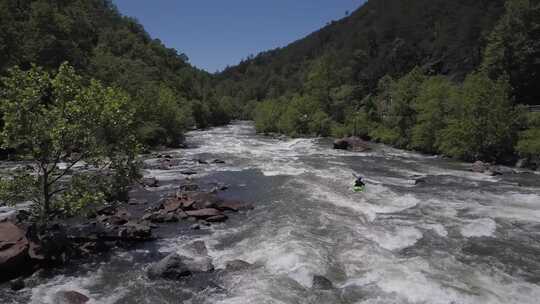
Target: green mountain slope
382,37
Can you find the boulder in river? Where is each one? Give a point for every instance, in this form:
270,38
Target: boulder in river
71,297
322,283
197,248
135,232
14,255
17,284
203,213
175,267
480,167
151,182
189,187
217,218
237,265
352,143
485,168
172,205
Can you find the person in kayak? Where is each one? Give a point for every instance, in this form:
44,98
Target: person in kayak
358,182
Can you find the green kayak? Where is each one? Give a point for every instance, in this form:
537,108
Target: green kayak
359,188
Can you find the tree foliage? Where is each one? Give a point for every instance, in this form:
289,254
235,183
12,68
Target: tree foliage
102,44
58,122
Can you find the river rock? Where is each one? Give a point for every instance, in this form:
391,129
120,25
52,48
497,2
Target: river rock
175,266
87,232
198,248
135,232
17,284
189,187
218,161
322,283
106,210
188,203
204,200
217,219
188,172
237,265
352,143
71,297
480,167
203,213
232,205
151,182
120,217
172,205
14,245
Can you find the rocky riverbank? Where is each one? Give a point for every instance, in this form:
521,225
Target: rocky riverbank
26,250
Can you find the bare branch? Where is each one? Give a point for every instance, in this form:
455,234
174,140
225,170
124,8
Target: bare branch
66,170
55,192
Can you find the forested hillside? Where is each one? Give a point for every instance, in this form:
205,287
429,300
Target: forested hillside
383,37
167,93
431,75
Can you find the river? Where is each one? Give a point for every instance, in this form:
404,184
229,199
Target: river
460,237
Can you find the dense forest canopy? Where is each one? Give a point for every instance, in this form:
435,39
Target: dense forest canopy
168,94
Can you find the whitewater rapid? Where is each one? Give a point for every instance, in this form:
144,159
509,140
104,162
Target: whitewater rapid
460,237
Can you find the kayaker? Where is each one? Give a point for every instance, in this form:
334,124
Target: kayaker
358,182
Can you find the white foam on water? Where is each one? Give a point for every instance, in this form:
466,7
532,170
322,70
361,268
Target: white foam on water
445,282
398,237
48,293
335,188
438,228
509,205
479,227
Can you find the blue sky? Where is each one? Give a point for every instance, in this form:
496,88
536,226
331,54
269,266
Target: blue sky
217,33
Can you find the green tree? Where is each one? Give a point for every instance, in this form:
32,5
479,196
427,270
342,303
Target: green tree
266,115
432,105
483,123
529,140
402,114
322,78
59,122
514,49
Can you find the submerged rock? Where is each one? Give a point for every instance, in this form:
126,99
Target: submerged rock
217,219
322,283
189,187
203,213
71,297
17,284
198,248
237,265
175,267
